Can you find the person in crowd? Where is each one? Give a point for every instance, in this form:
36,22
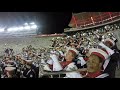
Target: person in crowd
67,65
111,63
30,71
94,64
73,57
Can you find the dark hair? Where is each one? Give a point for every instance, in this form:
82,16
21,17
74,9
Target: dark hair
116,41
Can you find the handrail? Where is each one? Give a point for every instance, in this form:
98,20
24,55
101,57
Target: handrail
106,17
93,26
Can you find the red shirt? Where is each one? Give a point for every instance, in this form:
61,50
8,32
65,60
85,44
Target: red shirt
63,64
93,75
85,59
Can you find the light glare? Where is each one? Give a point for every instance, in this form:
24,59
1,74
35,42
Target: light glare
20,28
32,23
1,30
27,27
34,26
26,24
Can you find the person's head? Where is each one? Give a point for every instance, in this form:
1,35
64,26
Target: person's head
94,63
72,45
7,58
71,54
22,62
29,63
18,57
95,60
23,50
110,43
70,40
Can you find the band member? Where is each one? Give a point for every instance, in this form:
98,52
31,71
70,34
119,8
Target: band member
10,61
109,42
94,64
6,52
67,64
30,70
111,63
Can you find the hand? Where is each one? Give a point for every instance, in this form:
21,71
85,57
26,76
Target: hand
78,46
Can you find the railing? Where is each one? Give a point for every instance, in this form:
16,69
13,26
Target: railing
103,17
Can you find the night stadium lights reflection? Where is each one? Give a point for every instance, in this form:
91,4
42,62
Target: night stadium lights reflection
2,30
33,26
26,26
32,23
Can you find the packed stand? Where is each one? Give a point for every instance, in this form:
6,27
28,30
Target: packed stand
86,54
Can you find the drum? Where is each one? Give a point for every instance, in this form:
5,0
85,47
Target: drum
10,71
9,65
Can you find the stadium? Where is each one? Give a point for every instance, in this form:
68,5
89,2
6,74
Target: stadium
81,45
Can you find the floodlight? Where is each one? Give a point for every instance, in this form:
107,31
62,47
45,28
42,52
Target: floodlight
9,29
12,29
26,24
1,30
27,27
32,23
33,26
20,28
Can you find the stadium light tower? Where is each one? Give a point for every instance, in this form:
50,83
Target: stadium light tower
26,26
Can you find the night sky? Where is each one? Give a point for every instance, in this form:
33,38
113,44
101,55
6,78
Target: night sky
48,22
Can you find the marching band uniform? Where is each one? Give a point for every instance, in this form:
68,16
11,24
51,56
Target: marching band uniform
112,61
30,72
66,65
80,62
72,74
98,74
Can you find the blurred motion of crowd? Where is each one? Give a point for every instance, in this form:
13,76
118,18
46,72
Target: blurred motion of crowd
85,54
